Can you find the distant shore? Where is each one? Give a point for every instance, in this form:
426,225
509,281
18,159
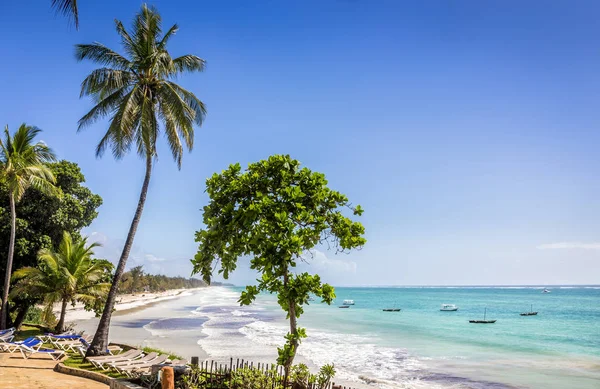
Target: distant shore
127,303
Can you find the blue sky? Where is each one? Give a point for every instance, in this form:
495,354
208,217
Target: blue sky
467,130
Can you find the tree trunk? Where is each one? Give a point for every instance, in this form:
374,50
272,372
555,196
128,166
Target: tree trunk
9,261
100,342
293,330
21,316
60,327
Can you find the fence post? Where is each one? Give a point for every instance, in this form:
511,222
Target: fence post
195,361
168,378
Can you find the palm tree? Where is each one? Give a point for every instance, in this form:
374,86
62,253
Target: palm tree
67,275
67,8
139,95
22,165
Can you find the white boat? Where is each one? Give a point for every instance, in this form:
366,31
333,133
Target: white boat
449,308
348,302
545,291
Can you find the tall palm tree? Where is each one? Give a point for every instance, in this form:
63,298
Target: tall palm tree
22,165
138,93
67,8
66,275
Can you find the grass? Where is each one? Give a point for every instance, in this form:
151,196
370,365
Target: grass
77,361
27,331
159,351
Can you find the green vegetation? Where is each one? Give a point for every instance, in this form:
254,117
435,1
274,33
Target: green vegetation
41,220
28,331
136,281
67,275
249,378
22,165
172,356
77,361
276,213
139,96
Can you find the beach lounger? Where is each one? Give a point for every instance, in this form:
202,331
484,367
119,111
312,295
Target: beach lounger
146,358
27,352
7,331
138,369
69,344
14,346
85,344
46,338
6,338
130,355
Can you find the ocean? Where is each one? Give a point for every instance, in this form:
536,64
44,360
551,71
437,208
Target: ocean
418,347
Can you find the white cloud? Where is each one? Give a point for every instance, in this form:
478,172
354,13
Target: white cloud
322,261
570,245
111,249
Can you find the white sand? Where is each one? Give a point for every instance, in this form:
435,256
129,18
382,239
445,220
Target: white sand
125,302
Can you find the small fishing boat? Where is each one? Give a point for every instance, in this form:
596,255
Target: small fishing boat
545,291
391,310
448,308
348,302
484,321
530,313
344,306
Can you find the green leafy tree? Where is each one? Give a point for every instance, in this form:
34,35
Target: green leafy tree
22,165
41,220
67,275
138,93
275,212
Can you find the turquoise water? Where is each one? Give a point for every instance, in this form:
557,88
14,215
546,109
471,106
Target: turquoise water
419,347
558,348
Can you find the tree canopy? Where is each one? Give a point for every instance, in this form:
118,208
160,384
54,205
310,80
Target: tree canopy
275,212
42,218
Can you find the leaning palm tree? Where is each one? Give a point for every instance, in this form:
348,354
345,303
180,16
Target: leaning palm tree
66,275
22,165
67,8
138,93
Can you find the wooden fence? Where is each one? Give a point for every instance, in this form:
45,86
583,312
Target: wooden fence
218,375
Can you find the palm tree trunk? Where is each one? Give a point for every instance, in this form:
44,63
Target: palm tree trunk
9,261
60,327
100,342
21,316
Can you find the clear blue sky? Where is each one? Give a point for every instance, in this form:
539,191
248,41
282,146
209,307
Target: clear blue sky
467,130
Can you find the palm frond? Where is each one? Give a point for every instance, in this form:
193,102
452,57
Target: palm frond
102,55
67,8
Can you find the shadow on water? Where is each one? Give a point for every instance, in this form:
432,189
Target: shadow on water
133,323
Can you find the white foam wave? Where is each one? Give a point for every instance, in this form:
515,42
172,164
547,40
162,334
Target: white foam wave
357,358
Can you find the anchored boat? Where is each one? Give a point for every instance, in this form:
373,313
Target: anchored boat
484,321
530,313
449,308
348,302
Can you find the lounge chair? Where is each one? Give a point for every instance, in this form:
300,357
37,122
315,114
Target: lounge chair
14,346
6,338
130,355
46,338
8,330
146,358
137,369
27,352
69,344
84,345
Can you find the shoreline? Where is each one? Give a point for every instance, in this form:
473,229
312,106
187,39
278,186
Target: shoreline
126,303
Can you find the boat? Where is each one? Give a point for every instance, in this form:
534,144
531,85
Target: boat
348,302
344,306
449,308
391,310
545,291
530,313
484,321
